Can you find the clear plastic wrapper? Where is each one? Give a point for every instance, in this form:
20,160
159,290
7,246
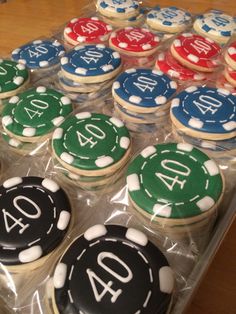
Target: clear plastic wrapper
188,244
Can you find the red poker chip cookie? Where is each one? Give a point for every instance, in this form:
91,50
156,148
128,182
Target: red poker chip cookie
134,41
230,55
230,76
86,30
196,52
170,66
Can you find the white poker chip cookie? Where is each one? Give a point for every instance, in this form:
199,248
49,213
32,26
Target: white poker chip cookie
169,19
121,9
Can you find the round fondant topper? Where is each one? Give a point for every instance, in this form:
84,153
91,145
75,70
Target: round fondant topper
197,50
206,109
101,270
131,39
169,65
35,112
91,60
81,30
174,181
35,215
170,18
91,141
39,54
216,23
12,75
144,88
118,8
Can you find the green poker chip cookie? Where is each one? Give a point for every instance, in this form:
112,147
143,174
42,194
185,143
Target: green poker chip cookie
12,77
174,181
91,144
35,113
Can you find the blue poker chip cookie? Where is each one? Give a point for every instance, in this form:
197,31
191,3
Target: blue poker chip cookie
39,54
143,90
91,63
204,112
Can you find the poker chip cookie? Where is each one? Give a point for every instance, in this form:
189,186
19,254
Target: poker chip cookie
13,78
32,115
35,217
174,184
91,144
143,90
169,19
39,54
121,9
117,259
207,113
91,64
86,30
134,41
230,55
169,65
230,76
196,52
216,25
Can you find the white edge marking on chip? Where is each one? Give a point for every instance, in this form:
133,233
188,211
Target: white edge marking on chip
177,43
12,182
14,100
74,20
205,203
160,100
124,142
107,67
66,157
43,64
58,120
193,58
133,182
56,43
161,57
94,232
136,236
16,51
116,85
22,61
123,45
158,72
81,39
94,18
185,147
148,151
38,41
166,279
80,71
109,28
116,55
57,134
14,142
211,167
175,102
50,185
129,71
78,48
229,126
194,123
41,89
28,132
18,80
7,120
173,84
63,220
191,89
231,51
117,122
199,77
104,161
65,100
163,210
146,47
223,91
59,276
83,115
31,254
64,60
20,66
113,35
135,99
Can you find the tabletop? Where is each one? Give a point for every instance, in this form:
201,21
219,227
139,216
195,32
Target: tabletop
24,20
